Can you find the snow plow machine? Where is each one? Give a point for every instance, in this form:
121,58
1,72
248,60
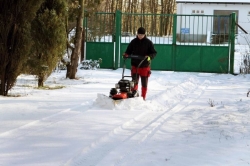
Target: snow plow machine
124,88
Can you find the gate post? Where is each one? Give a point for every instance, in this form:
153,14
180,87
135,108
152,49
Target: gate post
232,43
174,42
117,38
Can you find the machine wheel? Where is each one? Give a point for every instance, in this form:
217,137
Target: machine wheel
113,91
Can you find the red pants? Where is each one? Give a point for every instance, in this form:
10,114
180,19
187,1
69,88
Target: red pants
142,73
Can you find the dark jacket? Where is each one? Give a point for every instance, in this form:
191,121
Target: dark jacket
143,47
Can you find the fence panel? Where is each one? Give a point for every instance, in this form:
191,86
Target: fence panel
193,43
212,59
105,51
203,29
188,58
215,59
164,59
99,37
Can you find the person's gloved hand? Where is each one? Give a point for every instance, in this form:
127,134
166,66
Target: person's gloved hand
125,55
148,58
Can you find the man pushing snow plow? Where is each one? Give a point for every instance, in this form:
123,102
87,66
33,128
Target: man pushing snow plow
141,51
143,47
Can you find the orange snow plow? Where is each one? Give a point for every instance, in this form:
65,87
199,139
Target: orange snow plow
124,88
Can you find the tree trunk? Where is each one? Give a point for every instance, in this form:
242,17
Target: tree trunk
78,42
2,84
40,81
83,45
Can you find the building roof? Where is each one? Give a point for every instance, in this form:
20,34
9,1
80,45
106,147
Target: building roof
215,1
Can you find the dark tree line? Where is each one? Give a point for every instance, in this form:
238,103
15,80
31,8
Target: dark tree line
155,15
155,24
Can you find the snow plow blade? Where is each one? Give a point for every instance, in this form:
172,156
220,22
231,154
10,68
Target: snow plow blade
109,103
120,96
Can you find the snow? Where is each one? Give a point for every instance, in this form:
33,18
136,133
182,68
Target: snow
175,126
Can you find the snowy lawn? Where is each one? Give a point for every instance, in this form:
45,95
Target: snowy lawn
188,119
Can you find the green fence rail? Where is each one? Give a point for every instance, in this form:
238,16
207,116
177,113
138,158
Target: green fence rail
193,43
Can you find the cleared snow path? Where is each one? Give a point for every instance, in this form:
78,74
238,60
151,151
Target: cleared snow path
117,146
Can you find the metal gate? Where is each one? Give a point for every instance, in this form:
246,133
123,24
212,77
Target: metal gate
188,43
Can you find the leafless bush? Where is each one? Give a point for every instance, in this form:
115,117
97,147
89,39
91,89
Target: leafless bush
211,103
245,63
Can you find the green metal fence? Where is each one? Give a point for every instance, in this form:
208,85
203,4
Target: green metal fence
193,43
100,38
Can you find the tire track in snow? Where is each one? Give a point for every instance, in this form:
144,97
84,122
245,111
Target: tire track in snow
40,124
120,142
153,127
159,121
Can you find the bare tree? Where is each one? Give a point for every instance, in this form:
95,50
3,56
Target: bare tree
145,14
72,66
78,9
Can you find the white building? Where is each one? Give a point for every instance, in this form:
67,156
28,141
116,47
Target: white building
214,7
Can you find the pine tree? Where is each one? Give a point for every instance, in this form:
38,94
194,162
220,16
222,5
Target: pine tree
49,36
15,38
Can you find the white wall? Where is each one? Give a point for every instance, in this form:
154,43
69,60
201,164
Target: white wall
243,17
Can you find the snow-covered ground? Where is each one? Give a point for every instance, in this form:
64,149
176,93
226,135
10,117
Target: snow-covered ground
188,119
